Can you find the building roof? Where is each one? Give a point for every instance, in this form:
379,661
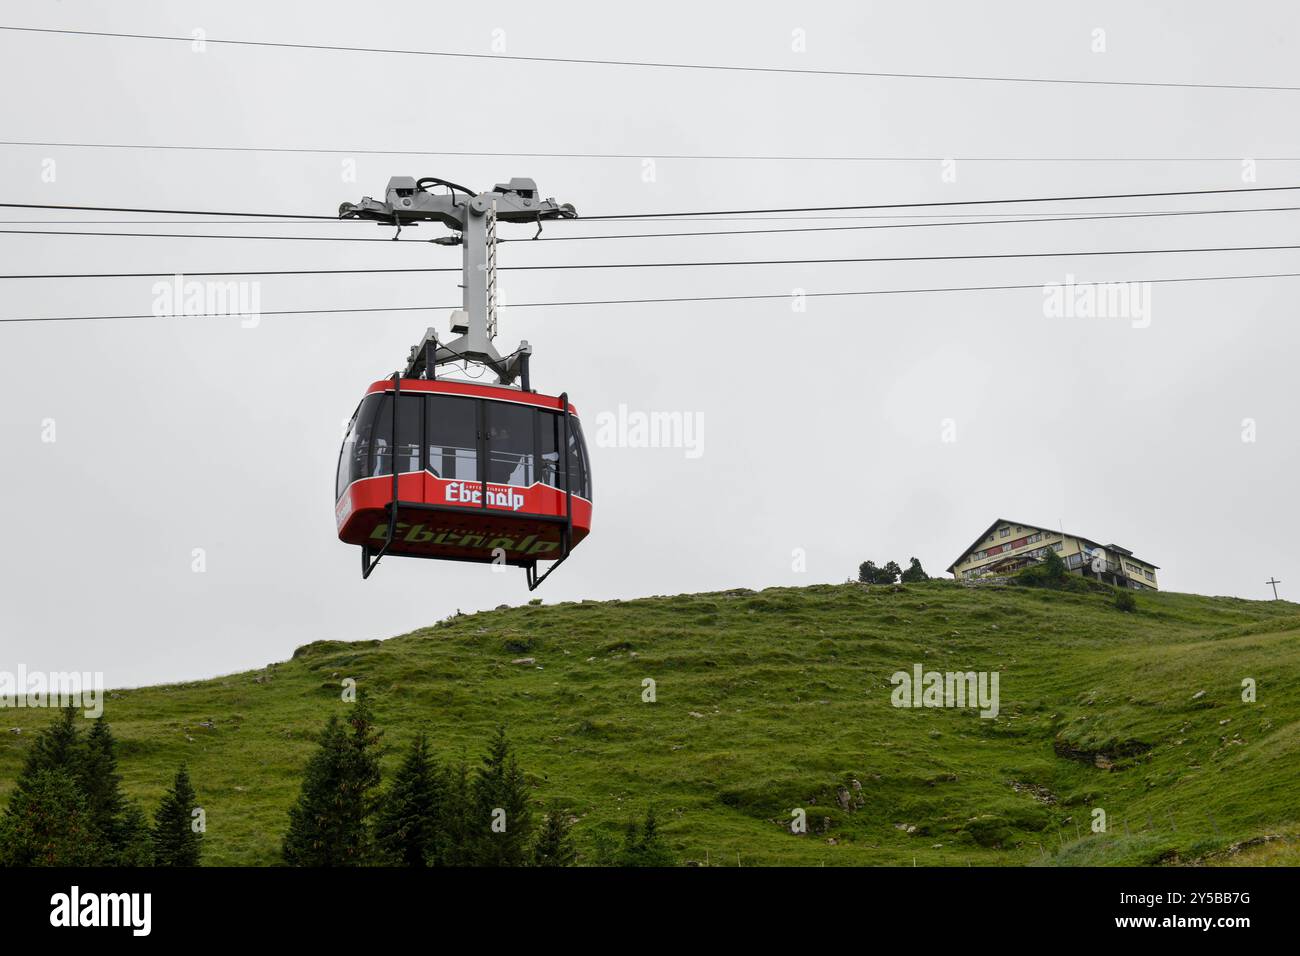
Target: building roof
1039,527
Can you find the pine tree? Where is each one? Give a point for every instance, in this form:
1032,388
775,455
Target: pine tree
502,817
102,785
108,830
554,846
175,842
643,846
361,782
136,847
320,831
58,747
605,850
654,851
627,855
914,573
409,826
329,824
457,822
1054,572
48,823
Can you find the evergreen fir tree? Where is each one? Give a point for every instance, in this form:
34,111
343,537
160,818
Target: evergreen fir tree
328,825
654,852
175,842
102,785
364,752
499,786
102,827
58,747
408,830
1054,568
48,823
136,847
631,839
457,823
554,846
1051,572
605,848
914,573
643,846
320,832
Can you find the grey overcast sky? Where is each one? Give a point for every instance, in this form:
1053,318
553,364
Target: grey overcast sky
823,430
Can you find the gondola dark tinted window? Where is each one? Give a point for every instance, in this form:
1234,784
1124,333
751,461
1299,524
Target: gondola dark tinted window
581,481
410,423
548,426
510,443
354,459
453,437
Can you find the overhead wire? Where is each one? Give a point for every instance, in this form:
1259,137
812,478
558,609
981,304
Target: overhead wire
667,299
725,157
664,65
730,212
948,202
916,225
667,265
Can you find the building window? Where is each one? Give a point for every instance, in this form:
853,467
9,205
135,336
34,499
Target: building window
1057,545
1004,532
1149,575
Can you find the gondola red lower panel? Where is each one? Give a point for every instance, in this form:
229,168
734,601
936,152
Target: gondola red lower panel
446,518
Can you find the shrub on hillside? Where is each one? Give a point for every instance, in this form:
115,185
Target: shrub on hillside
642,846
1051,572
868,573
1124,600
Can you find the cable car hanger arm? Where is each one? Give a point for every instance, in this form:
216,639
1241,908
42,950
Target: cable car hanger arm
409,200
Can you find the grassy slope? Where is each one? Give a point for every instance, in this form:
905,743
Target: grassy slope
768,701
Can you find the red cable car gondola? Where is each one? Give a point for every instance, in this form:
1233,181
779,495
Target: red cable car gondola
480,475
456,470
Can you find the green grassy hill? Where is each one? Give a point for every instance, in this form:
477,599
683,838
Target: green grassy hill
774,700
